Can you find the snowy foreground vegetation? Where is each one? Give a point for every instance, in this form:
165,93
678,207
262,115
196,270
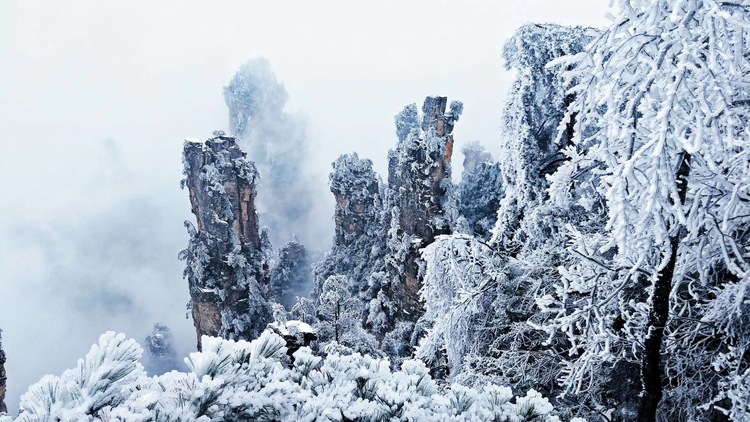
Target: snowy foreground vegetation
240,380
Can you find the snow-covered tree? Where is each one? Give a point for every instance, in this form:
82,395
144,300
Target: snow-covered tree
102,382
534,108
460,274
480,295
304,310
660,127
337,306
341,313
478,302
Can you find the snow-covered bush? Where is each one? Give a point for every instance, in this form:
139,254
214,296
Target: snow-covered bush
239,380
106,378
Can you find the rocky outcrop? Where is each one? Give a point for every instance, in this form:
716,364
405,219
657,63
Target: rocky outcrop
225,268
278,143
358,250
474,155
354,184
419,184
296,334
380,229
3,377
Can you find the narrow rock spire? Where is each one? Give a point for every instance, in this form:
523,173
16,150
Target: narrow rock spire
226,269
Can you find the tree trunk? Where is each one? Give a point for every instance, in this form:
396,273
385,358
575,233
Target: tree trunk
337,320
651,369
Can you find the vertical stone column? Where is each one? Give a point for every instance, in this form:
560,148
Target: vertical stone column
419,179
225,267
354,184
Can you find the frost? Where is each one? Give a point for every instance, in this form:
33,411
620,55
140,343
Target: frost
239,380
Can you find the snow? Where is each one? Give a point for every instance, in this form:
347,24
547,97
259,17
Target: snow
240,380
299,326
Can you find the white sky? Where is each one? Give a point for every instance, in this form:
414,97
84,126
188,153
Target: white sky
96,97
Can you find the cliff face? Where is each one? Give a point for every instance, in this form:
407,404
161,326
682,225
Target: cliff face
380,229
225,266
3,377
419,182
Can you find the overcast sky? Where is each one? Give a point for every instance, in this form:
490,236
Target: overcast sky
97,96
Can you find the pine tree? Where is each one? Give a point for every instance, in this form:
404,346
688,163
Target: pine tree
239,381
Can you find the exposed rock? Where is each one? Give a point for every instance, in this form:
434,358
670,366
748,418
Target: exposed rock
297,334
278,144
354,184
380,230
3,377
359,244
480,192
419,183
474,155
225,265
